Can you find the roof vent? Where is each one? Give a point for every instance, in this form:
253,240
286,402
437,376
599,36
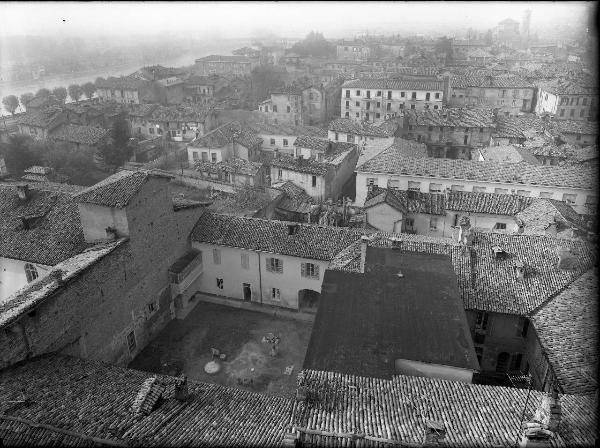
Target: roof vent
23,191
435,432
520,269
498,252
293,229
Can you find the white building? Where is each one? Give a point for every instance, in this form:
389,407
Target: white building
282,137
267,262
392,169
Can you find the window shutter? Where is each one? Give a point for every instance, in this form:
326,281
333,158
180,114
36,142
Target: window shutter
280,265
269,261
303,269
316,267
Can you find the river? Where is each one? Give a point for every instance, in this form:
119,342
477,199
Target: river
18,88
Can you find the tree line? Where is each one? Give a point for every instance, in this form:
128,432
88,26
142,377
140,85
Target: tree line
75,91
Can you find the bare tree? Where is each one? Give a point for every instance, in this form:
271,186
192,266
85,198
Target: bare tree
25,98
60,93
11,102
88,89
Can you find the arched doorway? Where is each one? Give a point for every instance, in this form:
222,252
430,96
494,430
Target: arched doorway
308,300
502,362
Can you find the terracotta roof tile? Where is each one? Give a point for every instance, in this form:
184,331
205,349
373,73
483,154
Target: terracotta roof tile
458,117
232,131
395,84
85,135
385,129
234,165
489,203
541,213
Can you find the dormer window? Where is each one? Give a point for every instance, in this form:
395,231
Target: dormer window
31,272
499,253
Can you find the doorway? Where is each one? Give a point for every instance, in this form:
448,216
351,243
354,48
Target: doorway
247,291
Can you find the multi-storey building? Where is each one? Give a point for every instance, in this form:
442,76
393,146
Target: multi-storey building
509,94
296,105
282,137
127,90
224,65
566,100
352,51
375,100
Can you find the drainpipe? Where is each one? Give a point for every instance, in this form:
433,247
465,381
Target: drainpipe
260,278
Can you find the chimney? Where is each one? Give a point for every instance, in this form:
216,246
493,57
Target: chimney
435,432
181,389
364,242
567,260
292,229
520,270
111,233
23,191
539,431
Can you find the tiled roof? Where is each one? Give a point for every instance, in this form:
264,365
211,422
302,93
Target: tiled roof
55,232
392,162
339,152
38,102
487,283
32,294
116,190
41,118
498,82
541,213
398,409
85,135
514,127
141,110
285,129
124,82
395,84
576,127
95,399
405,202
232,131
234,165
567,87
457,117
508,153
385,129
564,327
180,112
310,142
479,53
309,241
488,203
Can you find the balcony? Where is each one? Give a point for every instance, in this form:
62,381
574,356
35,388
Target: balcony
184,271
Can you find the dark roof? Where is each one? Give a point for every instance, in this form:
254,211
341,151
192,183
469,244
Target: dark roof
405,202
385,129
395,84
221,58
392,162
565,327
310,142
141,110
509,154
459,117
568,87
180,112
514,127
95,399
398,410
124,82
85,135
366,321
541,213
576,127
309,241
55,233
116,190
338,153
490,203
232,131
234,165
497,82
40,118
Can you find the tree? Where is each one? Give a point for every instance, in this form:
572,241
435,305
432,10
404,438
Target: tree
43,92
25,98
99,80
20,153
88,89
119,149
60,93
71,162
75,92
11,103
314,45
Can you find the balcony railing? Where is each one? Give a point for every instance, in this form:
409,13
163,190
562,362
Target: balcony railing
185,270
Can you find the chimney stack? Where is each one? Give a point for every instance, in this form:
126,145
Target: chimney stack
181,389
539,431
567,260
435,432
364,242
520,270
23,191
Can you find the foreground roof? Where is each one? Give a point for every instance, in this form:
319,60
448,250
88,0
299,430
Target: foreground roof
401,200
227,133
93,399
397,409
309,241
565,327
391,161
489,203
541,213
411,318
116,190
54,232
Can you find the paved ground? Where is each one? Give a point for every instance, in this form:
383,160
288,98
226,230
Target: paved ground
185,346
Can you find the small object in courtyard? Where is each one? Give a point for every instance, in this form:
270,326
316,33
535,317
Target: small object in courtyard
215,352
252,369
289,370
212,367
273,350
222,356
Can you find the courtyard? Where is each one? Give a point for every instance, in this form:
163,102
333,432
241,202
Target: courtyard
185,346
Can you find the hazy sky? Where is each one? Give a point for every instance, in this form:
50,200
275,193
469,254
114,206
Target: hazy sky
292,19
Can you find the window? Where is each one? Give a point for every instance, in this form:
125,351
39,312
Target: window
275,294
572,113
591,200
414,186
585,101
410,222
457,187
219,283
377,115
368,94
523,192
31,272
314,181
435,107
131,341
401,106
427,96
562,112
481,320
358,93
347,94
378,104
245,261
546,194
288,109
569,198
466,139
437,96
581,114
389,106
478,189
390,94
274,108
195,155
368,106
371,181
500,226
309,270
358,104
272,141
357,115
213,157
347,104
216,256
379,93
578,137
279,173
433,222
412,106
151,130
347,115
285,142
414,96
337,136
479,353
275,265
515,362
435,188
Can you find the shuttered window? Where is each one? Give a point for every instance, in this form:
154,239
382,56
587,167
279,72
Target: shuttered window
310,270
245,261
275,265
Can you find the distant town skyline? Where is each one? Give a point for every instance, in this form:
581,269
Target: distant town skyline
239,20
